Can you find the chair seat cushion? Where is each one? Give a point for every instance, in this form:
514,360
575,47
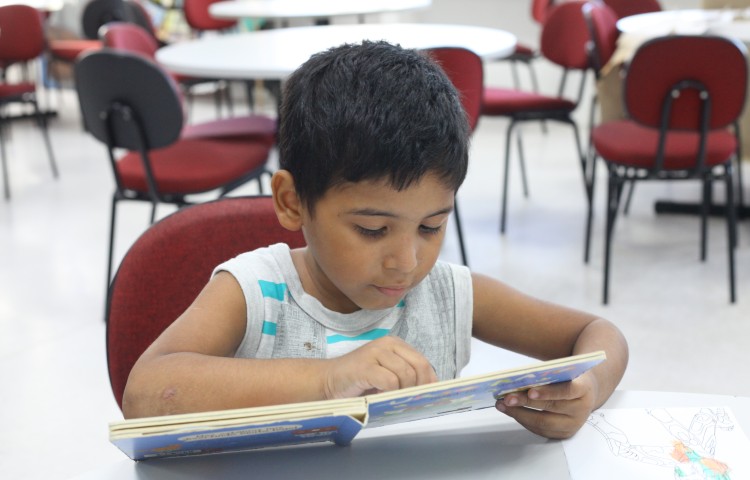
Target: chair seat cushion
250,127
512,102
624,142
194,166
11,91
68,50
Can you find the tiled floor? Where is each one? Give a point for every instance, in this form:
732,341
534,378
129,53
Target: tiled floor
55,398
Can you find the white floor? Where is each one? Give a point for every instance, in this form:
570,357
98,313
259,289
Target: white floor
55,400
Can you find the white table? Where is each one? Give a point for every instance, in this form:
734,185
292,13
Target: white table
476,445
734,23
288,9
42,5
274,54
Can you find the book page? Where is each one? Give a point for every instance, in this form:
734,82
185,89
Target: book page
471,393
659,443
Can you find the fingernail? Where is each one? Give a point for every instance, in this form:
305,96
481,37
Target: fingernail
533,394
511,401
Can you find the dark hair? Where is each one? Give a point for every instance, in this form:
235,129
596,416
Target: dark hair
370,111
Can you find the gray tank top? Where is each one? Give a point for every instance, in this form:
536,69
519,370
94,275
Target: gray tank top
285,322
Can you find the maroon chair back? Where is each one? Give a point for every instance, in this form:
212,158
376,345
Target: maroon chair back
625,8
565,36
169,264
129,37
197,16
716,63
21,34
465,70
602,24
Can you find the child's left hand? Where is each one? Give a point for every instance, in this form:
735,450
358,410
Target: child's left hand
553,411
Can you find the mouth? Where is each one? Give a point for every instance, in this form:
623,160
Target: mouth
392,291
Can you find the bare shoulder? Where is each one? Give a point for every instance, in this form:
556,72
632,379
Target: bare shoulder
214,324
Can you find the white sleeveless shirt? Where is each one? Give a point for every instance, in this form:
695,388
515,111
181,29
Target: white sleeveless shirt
285,322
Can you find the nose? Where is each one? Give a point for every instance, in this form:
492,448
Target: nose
402,254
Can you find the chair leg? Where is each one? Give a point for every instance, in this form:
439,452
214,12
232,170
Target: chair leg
535,88
522,162
3,157
42,120
705,204
153,212
250,90
613,199
629,198
731,232
504,202
590,213
459,230
581,157
110,256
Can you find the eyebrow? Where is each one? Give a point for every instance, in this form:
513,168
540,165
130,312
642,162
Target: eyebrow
372,212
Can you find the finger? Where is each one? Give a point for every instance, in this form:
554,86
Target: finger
561,406
547,397
544,423
421,366
405,373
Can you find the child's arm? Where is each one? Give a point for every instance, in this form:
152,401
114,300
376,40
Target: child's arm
509,319
191,367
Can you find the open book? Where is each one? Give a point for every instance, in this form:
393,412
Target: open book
337,421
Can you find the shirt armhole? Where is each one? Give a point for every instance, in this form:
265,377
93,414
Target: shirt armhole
464,306
254,308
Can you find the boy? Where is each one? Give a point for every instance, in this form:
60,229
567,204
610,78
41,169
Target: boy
373,147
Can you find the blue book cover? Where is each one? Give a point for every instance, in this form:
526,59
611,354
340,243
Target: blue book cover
335,421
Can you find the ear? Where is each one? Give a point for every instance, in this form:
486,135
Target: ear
285,200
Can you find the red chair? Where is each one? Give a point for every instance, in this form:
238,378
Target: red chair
198,18
526,54
626,8
154,284
21,41
466,71
563,42
682,93
132,38
130,103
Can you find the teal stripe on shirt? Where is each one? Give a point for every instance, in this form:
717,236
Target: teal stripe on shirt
371,335
269,328
272,290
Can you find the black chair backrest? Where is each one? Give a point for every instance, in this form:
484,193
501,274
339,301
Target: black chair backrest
97,13
125,97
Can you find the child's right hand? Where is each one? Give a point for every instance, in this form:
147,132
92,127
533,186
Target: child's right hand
387,363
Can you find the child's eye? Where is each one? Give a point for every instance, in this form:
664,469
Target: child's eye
368,232
431,230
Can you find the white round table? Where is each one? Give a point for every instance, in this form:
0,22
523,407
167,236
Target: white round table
274,54
287,9
730,23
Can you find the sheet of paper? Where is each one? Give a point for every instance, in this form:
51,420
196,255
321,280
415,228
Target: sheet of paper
660,443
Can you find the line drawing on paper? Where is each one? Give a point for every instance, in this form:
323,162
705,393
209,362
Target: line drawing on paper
690,455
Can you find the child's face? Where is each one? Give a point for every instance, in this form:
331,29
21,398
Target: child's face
369,244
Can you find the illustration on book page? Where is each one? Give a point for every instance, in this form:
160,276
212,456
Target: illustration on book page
660,443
